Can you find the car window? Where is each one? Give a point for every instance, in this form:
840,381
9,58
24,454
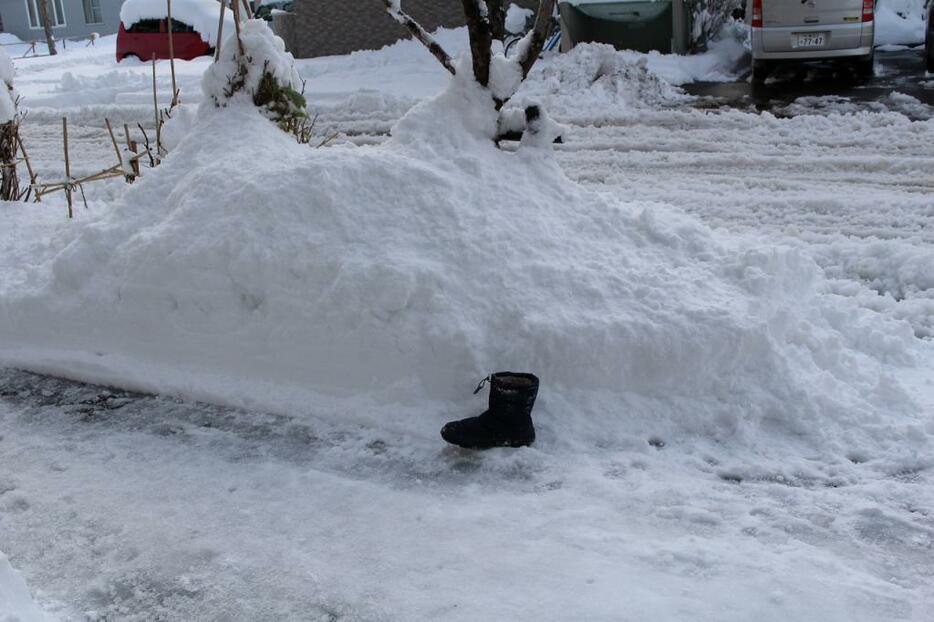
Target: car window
178,26
145,25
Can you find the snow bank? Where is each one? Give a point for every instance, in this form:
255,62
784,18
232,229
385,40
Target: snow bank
377,284
900,22
16,605
202,15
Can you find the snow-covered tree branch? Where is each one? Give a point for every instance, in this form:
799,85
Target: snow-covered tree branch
395,9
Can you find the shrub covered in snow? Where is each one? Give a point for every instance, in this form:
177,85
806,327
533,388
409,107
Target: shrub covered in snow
256,69
708,18
9,127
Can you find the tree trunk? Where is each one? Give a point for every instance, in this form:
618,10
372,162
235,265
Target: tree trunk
539,33
481,40
497,11
47,25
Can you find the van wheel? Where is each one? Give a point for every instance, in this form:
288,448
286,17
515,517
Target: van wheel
760,71
865,67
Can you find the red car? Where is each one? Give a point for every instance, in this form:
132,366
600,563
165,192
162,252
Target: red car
147,37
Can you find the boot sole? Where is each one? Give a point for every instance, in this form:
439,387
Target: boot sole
510,444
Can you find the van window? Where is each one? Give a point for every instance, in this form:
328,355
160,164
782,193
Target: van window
145,25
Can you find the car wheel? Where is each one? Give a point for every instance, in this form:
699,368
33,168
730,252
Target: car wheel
760,71
931,62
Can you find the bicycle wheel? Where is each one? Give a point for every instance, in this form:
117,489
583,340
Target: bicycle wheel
511,46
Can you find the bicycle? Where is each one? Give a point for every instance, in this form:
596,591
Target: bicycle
552,41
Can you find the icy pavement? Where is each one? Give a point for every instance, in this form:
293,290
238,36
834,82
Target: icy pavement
899,85
118,506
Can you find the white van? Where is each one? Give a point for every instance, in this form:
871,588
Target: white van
811,30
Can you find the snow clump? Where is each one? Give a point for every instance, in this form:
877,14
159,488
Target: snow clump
517,19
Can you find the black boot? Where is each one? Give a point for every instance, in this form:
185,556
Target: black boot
507,422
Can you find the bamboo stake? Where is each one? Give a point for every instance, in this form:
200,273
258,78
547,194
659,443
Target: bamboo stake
172,53
32,174
134,159
155,107
113,139
220,32
67,167
249,11
236,12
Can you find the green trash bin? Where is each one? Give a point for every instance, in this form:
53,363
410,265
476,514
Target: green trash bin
640,25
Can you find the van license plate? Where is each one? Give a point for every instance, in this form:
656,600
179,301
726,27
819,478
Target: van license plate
810,39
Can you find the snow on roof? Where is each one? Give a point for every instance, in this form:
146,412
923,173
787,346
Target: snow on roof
199,14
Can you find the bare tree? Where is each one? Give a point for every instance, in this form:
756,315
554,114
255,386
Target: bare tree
485,24
47,25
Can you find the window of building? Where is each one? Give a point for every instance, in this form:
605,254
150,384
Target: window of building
92,12
56,13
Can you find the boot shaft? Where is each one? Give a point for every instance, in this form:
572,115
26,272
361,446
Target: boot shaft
512,395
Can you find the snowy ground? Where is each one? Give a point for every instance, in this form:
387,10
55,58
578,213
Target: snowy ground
117,506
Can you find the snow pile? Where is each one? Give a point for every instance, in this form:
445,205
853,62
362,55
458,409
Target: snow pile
900,22
16,605
593,82
377,284
202,15
7,95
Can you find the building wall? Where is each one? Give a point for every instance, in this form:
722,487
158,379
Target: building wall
16,20
329,27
